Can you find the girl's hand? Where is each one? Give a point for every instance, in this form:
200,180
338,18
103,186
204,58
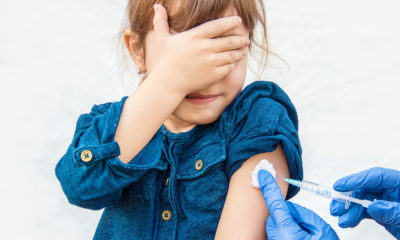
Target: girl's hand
192,60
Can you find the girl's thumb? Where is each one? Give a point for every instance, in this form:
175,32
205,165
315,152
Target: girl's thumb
160,20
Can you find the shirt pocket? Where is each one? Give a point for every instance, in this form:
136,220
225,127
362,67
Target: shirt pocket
202,180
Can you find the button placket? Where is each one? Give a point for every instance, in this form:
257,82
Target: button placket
167,223
172,179
166,181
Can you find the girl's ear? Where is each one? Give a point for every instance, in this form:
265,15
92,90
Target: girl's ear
137,53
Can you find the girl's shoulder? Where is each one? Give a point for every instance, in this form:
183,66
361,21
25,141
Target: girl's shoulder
104,107
259,102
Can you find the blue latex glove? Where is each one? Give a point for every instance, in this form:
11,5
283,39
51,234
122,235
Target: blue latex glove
288,220
375,183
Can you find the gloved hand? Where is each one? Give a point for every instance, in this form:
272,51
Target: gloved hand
375,183
288,220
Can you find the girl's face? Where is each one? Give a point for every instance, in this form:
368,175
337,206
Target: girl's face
187,115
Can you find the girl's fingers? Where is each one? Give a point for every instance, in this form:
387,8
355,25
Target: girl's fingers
213,28
228,57
222,71
160,20
228,43
228,60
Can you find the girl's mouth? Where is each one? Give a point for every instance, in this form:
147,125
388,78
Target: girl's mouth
200,99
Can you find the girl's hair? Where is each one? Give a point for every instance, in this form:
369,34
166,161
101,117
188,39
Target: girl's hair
186,14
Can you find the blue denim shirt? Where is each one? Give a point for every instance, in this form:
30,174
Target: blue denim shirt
175,188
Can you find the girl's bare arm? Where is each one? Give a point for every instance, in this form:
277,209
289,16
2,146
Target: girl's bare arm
245,212
143,113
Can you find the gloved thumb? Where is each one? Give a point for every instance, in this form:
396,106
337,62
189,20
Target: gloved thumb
385,212
274,200
160,20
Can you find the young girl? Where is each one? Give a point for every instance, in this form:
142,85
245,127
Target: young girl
173,160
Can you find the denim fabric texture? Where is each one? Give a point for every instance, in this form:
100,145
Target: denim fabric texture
198,165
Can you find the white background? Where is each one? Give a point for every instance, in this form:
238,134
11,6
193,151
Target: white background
58,58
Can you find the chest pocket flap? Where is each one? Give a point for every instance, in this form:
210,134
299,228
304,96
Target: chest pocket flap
201,177
200,158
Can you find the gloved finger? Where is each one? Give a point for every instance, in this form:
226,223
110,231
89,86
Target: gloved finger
352,217
304,215
307,220
273,231
337,208
375,179
274,200
385,212
270,224
395,231
301,214
285,231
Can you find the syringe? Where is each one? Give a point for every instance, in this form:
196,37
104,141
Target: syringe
328,192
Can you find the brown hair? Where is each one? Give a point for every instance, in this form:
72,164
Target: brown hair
191,13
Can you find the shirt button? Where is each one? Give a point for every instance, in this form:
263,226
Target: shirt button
166,215
86,155
166,181
199,164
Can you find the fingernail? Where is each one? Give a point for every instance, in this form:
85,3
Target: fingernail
239,19
155,7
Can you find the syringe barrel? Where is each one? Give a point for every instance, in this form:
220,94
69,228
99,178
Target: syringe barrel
345,197
327,192
318,189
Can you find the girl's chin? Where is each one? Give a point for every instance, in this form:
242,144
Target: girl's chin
199,119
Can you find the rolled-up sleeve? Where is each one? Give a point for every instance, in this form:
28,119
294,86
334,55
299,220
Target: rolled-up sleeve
90,172
261,118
